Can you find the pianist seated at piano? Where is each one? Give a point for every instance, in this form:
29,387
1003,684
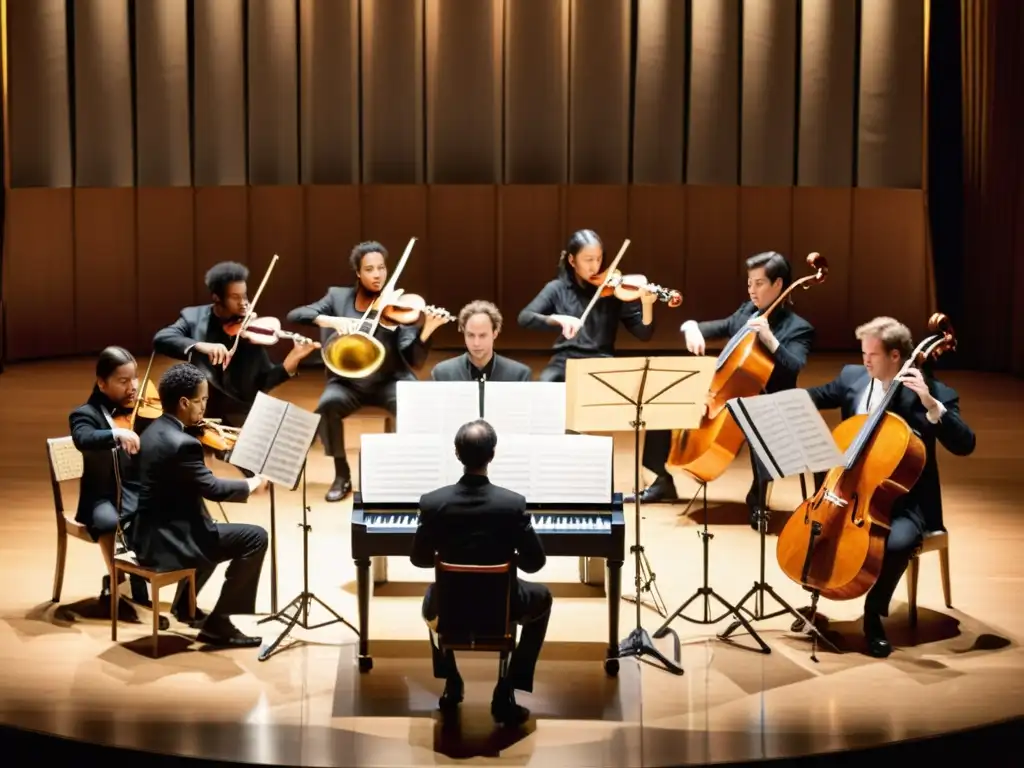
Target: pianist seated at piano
477,523
480,324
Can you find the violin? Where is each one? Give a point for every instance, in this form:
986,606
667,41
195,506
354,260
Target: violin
145,407
214,435
265,331
631,287
400,308
742,370
834,543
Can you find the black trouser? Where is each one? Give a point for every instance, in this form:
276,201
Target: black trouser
342,398
904,538
531,608
243,546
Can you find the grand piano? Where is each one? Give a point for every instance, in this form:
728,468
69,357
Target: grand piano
587,531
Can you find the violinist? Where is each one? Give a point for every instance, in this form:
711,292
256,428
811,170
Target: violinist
406,348
786,336
561,303
480,324
932,410
199,336
97,435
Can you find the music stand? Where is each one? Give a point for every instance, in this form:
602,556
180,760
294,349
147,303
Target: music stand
634,394
788,438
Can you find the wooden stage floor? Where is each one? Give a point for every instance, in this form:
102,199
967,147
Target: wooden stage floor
963,667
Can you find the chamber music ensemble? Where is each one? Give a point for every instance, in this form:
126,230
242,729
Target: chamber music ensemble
146,444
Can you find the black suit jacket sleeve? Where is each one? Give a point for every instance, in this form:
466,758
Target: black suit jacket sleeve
633,318
308,314
531,551
423,546
412,348
829,396
724,328
952,431
792,355
86,436
177,339
535,314
193,473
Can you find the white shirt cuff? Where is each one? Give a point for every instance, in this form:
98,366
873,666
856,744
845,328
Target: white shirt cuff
936,413
689,325
773,345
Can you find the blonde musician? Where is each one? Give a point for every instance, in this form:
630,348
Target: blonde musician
561,303
787,337
932,410
406,349
480,323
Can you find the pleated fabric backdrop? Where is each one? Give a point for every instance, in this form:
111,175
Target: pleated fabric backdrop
149,140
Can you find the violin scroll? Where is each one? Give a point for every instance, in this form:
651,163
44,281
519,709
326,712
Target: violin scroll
819,264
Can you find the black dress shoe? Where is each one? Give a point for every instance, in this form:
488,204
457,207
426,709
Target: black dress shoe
661,490
195,622
505,711
874,634
340,488
222,633
452,696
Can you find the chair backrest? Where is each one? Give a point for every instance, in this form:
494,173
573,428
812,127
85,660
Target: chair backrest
66,463
474,602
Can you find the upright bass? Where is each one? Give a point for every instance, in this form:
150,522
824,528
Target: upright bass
834,543
742,370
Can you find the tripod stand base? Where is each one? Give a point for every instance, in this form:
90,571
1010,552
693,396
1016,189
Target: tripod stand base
301,604
639,644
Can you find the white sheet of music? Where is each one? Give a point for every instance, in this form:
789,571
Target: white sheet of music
525,407
551,469
401,468
288,451
257,435
436,407
809,430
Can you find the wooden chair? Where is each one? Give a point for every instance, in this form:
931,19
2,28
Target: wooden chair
66,464
126,563
935,541
474,605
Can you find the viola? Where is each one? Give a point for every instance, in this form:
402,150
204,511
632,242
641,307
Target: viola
214,435
631,287
835,541
145,407
400,308
742,370
265,331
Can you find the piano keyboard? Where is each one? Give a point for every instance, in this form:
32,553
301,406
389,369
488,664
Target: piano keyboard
541,522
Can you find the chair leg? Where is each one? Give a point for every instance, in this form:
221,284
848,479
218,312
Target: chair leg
155,588
912,574
113,605
192,596
947,589
62,556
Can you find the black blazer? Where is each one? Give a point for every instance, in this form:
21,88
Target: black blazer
458,369
403,340
94,437
251,370
173,529
925,498
795,337
476,523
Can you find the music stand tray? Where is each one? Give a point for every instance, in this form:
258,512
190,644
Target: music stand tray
633,395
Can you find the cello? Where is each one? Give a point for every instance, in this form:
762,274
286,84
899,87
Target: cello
834,543
742,370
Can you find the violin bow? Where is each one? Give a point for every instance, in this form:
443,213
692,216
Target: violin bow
390,285
248,315
608,273
142,391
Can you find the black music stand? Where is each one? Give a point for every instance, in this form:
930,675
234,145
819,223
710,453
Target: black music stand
606,395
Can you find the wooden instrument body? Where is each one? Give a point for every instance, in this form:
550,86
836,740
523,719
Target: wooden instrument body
707,451
843,561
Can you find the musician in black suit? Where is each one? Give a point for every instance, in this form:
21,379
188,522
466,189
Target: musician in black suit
476,523
406,349
101,443
198,336
562,302
932,410
480,324
173,529
785,336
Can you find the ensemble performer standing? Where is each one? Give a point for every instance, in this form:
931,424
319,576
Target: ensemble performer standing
200,330
406,348
561,303
785,335
101,443
480,324
932,410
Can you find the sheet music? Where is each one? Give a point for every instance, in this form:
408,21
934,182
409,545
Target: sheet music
257,435
809,430
436,407
401,468
525,407
552,469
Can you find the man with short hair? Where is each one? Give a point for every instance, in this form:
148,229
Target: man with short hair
200,329
480,323
173,530
932,410
476,523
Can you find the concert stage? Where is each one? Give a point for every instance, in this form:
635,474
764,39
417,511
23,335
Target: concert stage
962,668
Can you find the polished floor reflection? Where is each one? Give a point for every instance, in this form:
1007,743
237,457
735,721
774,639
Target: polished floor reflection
309,705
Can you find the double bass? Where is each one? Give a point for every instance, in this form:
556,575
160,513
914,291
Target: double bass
834,543
742,370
